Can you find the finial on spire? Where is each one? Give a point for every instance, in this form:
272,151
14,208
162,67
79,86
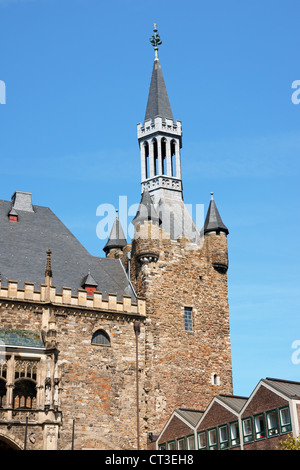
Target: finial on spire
155,40
212,196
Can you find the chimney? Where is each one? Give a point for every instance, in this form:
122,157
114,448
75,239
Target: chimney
21,200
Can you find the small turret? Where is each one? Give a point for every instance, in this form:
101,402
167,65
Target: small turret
216,238
213,221
146,210
116,240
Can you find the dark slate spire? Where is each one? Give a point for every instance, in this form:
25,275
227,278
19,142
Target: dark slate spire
158,100
213,221
146,210
116,238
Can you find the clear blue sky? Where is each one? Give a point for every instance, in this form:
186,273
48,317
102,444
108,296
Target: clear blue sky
77,74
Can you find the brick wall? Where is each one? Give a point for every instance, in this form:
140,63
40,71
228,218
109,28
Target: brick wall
175,429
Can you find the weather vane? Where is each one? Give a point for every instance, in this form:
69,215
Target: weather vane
155,41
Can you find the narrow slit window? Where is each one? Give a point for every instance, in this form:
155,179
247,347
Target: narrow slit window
188,320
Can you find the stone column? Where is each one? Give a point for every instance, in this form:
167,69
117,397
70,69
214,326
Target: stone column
151,156
169,162
143,161
177,159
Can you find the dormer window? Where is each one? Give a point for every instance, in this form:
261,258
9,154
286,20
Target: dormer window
89,284
13,215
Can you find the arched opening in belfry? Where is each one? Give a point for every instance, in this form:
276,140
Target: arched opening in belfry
173,158
164,156
155,156
146,159
24,395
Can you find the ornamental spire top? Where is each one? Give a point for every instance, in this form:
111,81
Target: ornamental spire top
155,40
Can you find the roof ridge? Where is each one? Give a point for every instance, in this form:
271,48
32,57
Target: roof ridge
283,380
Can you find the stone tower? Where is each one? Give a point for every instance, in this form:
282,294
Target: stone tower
180,271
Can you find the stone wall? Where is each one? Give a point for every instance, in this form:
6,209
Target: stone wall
180,365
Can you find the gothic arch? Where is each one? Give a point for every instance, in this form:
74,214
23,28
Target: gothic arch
10,442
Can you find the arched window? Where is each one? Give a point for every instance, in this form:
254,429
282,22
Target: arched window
163,156
173,157
24,395
215,379
146,156
155,155
100,337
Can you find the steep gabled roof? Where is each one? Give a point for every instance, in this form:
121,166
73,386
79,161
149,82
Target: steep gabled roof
23,247
158,100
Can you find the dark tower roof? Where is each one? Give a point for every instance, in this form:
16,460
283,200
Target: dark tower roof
158,100
146,210
213,221
116,238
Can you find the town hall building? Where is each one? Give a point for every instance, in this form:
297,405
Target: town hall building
97,352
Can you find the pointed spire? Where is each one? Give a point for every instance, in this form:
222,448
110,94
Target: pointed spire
158,101
146,210
116,238
213,221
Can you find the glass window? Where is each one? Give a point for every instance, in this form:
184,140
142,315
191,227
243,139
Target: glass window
162,446
223,436
100,337
190,442
259,426
171,445
247,430
272,423
234,434
188,323
212,439
202,440
285,420
181,444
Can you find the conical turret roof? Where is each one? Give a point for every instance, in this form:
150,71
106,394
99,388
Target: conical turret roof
146,210
158,101
116,238
213,221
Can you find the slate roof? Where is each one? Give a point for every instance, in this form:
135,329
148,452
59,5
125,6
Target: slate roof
158,101
23,247
213,221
